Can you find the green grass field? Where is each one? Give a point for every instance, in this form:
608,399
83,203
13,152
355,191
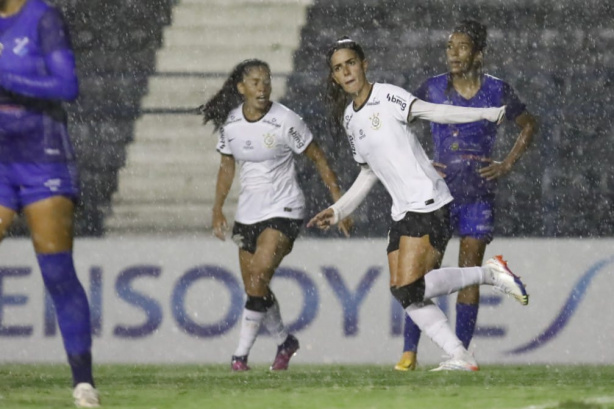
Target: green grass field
315,386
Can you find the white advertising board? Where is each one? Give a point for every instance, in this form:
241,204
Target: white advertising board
179,300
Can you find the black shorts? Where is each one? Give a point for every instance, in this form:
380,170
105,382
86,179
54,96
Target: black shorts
436,224
246,235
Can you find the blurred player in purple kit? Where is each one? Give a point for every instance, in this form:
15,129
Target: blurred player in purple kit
37,165
463,156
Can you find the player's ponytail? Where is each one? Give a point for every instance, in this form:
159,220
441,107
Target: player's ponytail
228,97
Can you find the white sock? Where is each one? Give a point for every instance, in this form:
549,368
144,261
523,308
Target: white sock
433,322
274,324
448,280
250,325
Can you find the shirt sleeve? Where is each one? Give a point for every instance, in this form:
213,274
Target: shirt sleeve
514,106
296,133
52,32
398,101
222,142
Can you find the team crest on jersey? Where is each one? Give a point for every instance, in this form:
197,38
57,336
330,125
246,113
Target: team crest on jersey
269,140
376,123
454,147
21,46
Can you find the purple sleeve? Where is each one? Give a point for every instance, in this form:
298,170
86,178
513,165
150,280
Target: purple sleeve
422,91
60,81
514,106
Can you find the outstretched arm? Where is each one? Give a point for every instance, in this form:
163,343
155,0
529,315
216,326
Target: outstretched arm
315,153
348,202
449,114
225,176
528,125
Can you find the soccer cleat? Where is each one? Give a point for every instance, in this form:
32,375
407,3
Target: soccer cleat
407,362
86,396
505,281
239,364
284,352
466,362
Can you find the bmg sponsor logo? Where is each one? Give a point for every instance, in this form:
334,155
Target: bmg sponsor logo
297,137
395,99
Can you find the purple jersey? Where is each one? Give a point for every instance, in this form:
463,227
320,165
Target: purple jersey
459,146
37,72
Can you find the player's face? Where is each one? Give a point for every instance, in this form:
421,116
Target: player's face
460,54
349,71
256,89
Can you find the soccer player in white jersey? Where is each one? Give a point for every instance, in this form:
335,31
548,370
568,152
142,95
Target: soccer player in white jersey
262,136
376,123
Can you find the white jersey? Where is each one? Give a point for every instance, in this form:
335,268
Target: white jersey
380,137
264,151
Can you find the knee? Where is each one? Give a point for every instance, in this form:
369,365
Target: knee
259,275
409,294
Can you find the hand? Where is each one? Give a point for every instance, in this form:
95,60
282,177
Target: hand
345,226
220,226
439,167
323,220
495,170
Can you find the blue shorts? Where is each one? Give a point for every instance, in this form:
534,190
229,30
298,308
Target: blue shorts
22,184
475,220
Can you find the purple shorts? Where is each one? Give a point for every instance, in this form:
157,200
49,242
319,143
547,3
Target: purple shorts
476,220
22,184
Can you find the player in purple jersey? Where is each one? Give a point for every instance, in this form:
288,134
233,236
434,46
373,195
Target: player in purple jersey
463,156
37,169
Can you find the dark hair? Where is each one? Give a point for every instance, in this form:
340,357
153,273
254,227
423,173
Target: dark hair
475,30
336,98
228,97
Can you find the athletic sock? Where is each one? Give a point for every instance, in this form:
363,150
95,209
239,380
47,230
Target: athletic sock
274,324
72,310
411,335
448,280
250,325
466,318
433,322
81,366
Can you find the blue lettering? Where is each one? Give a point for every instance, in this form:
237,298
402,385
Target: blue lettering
96,300
311,298
179,294
349,302
151,308
19,299
490,331
49,323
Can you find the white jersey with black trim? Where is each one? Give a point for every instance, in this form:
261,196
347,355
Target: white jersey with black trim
264,151
380,137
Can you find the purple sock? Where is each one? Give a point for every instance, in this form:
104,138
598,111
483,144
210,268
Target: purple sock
72,311
466,317
411,335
